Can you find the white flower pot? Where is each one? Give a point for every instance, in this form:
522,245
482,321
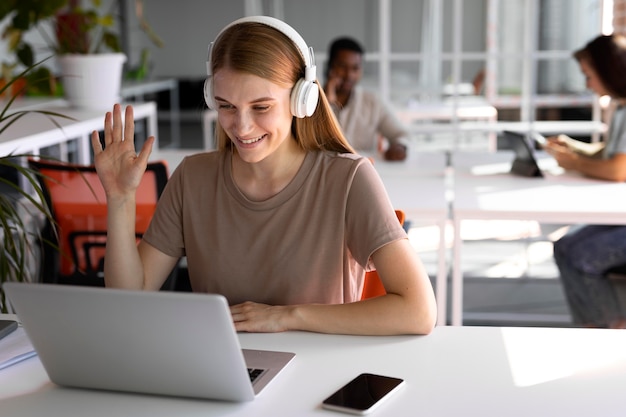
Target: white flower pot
92,81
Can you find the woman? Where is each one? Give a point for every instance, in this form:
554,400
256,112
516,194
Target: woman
585,253
283,219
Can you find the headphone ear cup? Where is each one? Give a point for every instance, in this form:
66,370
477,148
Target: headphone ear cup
208,93
304,98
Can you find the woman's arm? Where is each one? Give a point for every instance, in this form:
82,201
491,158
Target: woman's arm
120,170
409,306
611,169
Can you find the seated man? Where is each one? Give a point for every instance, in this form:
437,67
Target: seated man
364,118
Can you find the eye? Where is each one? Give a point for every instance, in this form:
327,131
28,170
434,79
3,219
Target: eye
225,106
261,108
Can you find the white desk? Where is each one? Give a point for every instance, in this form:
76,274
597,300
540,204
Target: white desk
417,186
484,189
461,115
34,131
455,371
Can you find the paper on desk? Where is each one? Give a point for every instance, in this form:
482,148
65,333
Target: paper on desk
15,347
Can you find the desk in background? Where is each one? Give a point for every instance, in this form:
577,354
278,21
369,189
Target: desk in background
34,132
455,371
485,190
452,117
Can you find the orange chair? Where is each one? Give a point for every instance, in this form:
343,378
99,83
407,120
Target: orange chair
373,287
78,205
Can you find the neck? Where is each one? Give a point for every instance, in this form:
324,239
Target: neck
264,179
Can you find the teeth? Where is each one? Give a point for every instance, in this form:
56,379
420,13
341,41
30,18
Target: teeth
249,141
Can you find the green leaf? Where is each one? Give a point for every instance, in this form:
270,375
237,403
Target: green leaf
25,55
111,41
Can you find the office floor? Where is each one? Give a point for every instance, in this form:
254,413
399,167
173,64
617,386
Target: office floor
510,277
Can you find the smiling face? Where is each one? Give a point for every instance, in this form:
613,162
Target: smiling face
254,113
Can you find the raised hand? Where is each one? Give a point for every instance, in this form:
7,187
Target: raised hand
119,167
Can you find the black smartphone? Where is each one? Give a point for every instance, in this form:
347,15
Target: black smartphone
363,394
6,327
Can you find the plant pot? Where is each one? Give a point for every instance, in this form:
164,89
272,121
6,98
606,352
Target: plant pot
92,81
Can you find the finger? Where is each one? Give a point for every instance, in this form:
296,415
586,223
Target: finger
117,123
129,124
95,142
236,309
146,150
108,128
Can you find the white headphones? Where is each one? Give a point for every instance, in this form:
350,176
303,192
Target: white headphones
305,93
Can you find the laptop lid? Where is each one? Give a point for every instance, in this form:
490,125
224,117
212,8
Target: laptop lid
525,163
164,343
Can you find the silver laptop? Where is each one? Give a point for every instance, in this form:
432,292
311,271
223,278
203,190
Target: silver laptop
164,343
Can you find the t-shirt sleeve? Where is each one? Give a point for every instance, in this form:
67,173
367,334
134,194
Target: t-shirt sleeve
370,217
165,231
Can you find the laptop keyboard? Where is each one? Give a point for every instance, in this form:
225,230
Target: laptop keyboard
254,373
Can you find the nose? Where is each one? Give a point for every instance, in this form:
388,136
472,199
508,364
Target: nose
243,122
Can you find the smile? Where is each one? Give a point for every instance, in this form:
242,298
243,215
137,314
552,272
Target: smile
249,141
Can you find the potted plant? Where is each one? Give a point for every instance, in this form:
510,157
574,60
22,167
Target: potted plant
17,237
84,39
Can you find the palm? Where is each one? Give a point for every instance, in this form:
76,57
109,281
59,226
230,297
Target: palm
119,167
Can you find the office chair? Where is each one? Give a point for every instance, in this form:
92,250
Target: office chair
74,252
373,287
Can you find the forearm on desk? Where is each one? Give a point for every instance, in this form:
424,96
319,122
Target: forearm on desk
385,315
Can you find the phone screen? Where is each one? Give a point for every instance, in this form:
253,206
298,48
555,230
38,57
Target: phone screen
362,394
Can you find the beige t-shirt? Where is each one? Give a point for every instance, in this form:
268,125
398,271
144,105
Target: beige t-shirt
366,117
310,243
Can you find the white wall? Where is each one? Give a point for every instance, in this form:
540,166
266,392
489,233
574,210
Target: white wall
187,27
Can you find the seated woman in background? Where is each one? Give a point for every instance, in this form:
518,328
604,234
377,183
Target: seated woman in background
586,252
283,219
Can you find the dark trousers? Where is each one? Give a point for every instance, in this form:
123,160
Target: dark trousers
583,256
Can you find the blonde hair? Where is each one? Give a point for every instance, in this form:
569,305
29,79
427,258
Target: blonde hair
258,49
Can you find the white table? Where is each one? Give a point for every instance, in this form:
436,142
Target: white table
34,131
461,115
417,186
455,371
485,190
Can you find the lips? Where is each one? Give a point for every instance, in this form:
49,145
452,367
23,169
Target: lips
250,141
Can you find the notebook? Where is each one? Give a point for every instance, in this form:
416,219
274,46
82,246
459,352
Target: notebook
163,343
525,163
